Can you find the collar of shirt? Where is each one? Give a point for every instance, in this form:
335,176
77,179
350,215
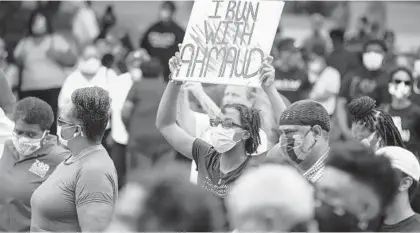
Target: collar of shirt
316,171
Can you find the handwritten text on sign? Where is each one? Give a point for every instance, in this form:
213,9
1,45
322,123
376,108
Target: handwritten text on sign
226,41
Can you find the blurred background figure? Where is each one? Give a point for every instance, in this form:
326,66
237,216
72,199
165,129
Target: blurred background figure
85,24
163,200
162,38
41,57
355,190
318,38
108,21
10,70
272,198
340,16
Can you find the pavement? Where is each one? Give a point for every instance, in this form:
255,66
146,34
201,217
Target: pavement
135,17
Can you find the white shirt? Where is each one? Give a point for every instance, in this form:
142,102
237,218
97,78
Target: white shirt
6,130
119,92
85,25
77,80
328,80
202,132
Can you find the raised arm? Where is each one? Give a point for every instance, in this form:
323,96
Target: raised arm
186,117
205,101
267,83
167,114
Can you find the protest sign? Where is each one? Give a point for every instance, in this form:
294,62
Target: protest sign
227,40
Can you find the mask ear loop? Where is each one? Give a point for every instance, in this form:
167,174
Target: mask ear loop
313,144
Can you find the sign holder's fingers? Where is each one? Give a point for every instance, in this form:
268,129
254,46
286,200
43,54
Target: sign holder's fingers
270,60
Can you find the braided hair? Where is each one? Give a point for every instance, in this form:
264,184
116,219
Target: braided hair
363,110
250,121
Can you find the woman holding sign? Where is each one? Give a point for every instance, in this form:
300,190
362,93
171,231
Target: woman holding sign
234,137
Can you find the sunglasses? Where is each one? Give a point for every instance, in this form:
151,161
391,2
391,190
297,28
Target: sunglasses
397,81
227,123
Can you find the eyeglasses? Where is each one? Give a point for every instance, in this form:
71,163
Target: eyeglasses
61,122
397,81
227,123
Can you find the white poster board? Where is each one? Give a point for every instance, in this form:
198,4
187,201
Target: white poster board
227,40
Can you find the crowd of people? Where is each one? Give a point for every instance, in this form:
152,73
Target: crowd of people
96,136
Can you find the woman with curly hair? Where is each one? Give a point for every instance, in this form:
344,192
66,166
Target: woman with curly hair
373,126
81,193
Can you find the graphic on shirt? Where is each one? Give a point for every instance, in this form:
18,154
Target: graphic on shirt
220,190
39,168
288,84
161,40
405,133
360,87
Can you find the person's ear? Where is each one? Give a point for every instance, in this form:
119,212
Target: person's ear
317,131
405,184
246,135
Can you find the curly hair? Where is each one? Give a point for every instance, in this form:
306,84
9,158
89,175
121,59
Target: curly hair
363,110
361,163
250,121
34,111
92,108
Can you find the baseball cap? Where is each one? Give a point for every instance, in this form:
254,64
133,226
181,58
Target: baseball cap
402,159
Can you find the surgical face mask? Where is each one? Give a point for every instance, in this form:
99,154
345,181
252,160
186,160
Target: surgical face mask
26,146
136,74
90,66
296,146
372,60
40,26
165,15
400,90
60,136
370,142
223,139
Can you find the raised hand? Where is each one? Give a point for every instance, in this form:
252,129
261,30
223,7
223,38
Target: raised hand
267,73
175,64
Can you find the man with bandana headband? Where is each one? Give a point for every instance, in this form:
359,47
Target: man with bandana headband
304,129
403,111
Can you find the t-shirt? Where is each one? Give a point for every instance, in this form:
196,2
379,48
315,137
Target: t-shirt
405,120
328,80
20,178
411,224
91,179
209,175
161,41
293,84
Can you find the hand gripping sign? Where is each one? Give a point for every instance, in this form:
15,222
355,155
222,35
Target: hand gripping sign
227,40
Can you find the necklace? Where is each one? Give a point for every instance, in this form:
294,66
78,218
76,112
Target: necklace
315,172
82,154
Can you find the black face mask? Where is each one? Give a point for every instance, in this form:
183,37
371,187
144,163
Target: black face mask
329,221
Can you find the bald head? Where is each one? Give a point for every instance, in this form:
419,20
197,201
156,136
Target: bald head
271,198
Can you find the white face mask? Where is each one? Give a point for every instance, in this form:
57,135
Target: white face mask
26,146
222,139
400,91
90,66
372,60
60,137
136,74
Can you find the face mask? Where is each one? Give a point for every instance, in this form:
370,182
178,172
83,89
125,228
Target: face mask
372,60
400,91
222,139
26,146
136,74
315,66
165,15
294,147
60,137
331,219
90,66
370,142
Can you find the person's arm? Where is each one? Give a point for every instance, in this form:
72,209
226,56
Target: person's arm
330,86
128,107
96,194
268,85
7,99
19,51
144,42
166,122
186,117
62,52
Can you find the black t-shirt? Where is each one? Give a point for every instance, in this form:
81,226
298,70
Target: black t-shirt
208,166
411,224
161,41
405,120
293,84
